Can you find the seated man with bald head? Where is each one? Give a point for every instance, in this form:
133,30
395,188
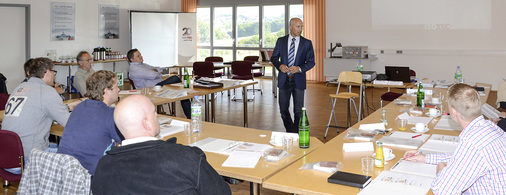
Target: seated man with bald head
144,164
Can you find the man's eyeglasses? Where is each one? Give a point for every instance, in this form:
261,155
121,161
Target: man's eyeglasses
88,60
54,71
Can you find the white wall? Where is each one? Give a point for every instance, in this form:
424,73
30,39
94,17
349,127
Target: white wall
86,29
433,54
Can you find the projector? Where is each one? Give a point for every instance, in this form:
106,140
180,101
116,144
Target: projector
368,76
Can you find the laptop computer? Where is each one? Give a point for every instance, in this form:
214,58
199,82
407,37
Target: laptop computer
398,73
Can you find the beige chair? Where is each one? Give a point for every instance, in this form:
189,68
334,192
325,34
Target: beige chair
350,79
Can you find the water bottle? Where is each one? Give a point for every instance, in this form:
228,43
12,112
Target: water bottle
458,75
420,96
384,119
360,66
196,110
304,130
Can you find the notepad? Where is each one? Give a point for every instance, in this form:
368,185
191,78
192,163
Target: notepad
395,183
422,169
440,144
242,159
349,179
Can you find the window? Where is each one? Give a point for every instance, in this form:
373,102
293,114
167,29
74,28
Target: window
234,31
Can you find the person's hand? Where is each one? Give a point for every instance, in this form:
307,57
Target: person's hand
502,114
73,104
440,166
294,69
283,68
414,156
58,89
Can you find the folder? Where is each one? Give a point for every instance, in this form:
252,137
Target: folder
349,179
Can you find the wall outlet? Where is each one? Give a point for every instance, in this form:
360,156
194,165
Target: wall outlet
382,51
399,51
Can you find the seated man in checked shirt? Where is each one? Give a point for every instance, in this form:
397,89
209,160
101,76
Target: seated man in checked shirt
477,165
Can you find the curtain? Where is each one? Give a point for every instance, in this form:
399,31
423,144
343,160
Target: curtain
188,5
314,29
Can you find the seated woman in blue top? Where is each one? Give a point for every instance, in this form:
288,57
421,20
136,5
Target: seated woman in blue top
90,130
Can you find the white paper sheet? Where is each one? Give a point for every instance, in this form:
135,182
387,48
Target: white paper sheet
419,119
242,159
404,115
409,136
172,93
174,127
394,183
358,147
446,123
438,143
372,126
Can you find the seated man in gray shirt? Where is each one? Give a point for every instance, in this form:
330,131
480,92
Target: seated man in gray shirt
34,105
84,60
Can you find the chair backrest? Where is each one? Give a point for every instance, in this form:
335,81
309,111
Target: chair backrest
47,173
350,77
241,68
412,73
11,150
203,69
251,58
3,100
214,59
131,83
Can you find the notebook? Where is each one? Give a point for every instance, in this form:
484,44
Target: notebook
398,73
349,179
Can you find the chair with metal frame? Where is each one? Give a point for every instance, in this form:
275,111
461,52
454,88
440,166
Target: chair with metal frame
349,78
391,96
260,74
11,156
241,70
216,59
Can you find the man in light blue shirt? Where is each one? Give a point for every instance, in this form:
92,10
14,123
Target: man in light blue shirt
143,75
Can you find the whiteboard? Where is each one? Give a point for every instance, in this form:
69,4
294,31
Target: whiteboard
154,34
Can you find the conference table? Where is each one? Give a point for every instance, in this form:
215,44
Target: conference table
228,66
209,98
294,180
263,170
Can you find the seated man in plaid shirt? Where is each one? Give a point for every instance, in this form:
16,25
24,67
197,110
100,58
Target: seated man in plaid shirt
477,165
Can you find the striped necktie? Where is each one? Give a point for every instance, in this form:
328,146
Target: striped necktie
291,54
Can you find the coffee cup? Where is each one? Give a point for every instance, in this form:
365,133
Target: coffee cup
157,88
387,153
435,100
434,112
420,127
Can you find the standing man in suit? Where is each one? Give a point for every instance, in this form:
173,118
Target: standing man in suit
293,56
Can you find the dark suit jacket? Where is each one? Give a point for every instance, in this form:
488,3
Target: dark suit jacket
303,59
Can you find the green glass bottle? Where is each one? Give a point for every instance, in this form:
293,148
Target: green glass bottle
420,95
186,81
304,130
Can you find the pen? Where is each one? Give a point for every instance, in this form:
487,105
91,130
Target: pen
411,156
417,136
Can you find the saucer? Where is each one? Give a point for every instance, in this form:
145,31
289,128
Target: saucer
156,90
275,143
414,130
387,159
428,114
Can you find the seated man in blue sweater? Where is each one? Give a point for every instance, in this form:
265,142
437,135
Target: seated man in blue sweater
90,130
143,75
144,164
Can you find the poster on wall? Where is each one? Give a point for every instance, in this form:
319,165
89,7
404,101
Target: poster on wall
63,21
108,21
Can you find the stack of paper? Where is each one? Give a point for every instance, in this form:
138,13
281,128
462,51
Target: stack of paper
175,126
446,123
129,92
172,93
440,144
404,139
421,169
